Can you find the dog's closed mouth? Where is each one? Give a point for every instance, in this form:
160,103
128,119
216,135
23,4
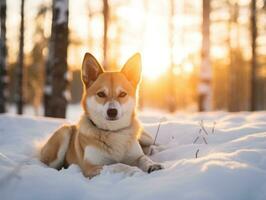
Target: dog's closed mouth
112,119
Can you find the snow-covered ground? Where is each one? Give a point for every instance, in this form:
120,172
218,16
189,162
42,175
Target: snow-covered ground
232,165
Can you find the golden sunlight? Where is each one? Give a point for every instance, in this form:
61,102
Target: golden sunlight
154,64
186,45
188,67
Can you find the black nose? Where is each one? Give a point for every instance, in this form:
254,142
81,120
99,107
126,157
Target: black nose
112,112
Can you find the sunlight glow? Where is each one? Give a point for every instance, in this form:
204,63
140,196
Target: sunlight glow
188,67
177,71
146,32
154,64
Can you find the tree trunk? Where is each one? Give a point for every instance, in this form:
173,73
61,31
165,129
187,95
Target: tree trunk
204,88
37,68
3,54
55,101
253,87
171,81
105,33
19,71
233,103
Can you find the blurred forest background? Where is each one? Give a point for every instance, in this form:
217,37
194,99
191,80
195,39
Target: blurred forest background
198,55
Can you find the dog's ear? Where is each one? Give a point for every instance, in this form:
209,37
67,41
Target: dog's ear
132,69
91,69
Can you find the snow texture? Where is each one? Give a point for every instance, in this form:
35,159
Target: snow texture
232,165
62,7
48,90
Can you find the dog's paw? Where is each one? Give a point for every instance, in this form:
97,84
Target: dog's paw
154,167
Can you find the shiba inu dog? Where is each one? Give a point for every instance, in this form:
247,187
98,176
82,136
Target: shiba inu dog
108,131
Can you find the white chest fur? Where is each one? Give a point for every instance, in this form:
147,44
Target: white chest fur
117,145
110,148
97,156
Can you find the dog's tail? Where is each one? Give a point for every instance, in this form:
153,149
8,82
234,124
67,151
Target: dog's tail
53,153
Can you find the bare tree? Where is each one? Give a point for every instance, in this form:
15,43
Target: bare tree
37,67
171,81
253,87
55,101
232,24
105,32
205,71
19,70
3,54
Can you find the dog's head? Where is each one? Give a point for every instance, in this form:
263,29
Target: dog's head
109,98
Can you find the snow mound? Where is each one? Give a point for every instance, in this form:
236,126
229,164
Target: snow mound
230,163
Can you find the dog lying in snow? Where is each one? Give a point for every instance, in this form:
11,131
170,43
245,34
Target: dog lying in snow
108,131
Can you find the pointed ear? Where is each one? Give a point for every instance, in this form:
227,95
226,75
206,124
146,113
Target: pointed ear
132,69
91,69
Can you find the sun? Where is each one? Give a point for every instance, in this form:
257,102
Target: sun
154,62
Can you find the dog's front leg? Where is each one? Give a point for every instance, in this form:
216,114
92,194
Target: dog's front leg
146,142
147,165
90,170
137,158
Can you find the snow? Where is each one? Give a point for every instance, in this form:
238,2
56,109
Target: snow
48,89
232,165
62,6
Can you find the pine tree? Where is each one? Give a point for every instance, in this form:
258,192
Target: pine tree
37,67
105,33
205,71
55,101
253,87
3,54
19,70
171,81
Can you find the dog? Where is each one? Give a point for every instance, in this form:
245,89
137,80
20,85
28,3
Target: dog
108,131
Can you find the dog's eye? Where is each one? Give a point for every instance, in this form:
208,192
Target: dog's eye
122,94
101,94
